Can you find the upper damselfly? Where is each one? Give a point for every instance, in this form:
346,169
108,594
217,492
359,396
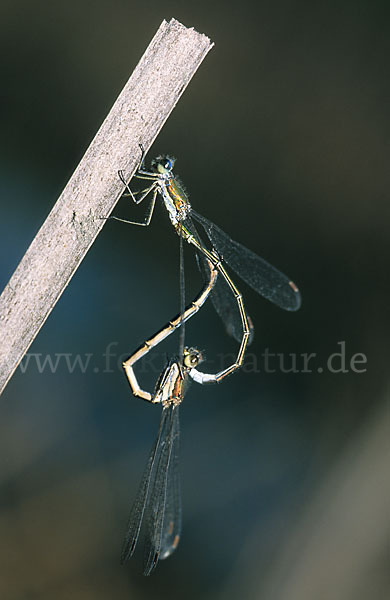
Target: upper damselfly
265,279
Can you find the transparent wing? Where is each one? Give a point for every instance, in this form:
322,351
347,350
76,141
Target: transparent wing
265,279
172,519
158,497
138,508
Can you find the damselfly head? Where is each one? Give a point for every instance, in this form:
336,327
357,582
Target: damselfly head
163,164
192,357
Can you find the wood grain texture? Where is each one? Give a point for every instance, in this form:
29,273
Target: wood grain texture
154,88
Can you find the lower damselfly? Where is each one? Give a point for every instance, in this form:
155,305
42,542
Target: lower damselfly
265,279
158,501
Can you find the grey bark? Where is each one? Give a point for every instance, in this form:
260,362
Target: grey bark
143,106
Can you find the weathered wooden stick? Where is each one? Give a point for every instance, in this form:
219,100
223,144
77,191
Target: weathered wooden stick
143,106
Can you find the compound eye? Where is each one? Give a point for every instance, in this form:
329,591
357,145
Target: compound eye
191,359
168,164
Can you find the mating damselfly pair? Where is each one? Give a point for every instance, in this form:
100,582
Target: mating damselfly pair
159,492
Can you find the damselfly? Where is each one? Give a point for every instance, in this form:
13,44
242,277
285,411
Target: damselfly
159,491
255,271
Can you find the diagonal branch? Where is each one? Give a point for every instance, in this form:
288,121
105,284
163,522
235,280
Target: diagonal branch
143,106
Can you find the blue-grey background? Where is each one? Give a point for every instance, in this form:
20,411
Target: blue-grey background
282,139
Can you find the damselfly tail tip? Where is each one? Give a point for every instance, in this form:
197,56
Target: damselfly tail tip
171,548
176,542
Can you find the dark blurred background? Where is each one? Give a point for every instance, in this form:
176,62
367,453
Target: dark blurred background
282,139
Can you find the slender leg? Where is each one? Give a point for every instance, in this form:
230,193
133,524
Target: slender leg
164,333
140,173
129,191
153,187
148,218
144,193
